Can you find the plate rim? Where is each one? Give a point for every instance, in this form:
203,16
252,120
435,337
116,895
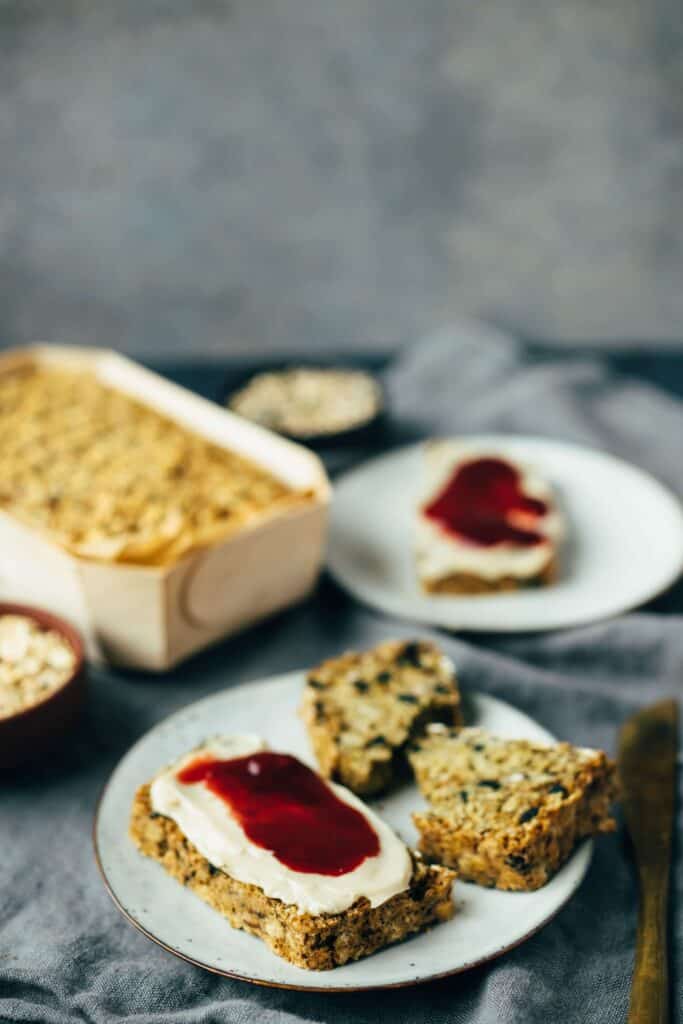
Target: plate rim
586,845
550,625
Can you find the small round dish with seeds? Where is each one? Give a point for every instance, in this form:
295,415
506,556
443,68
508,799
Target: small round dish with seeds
41,681
311,404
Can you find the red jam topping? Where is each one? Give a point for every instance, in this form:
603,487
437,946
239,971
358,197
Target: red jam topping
483,503
285,807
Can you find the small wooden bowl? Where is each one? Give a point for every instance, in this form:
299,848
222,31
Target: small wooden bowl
38,728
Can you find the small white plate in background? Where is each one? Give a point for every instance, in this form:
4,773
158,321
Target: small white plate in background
624,543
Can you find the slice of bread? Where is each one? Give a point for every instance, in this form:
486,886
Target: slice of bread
485,523
361,710
316,942
508,813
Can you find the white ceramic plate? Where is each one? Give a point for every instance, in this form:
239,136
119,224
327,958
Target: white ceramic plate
486,923
625,541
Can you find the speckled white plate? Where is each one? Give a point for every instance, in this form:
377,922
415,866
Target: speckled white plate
625,542
486,923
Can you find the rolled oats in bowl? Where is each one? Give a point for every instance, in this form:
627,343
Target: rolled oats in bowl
34,663
309,402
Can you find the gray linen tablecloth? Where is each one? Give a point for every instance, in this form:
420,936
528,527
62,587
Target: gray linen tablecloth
65,952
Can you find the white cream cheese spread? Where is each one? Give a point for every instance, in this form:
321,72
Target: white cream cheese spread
440,554
206,820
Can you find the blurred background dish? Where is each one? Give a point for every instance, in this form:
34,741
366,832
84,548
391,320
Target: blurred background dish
42,682
313,404
152,615
624,540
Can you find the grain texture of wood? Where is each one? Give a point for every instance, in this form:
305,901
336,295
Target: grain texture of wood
647,765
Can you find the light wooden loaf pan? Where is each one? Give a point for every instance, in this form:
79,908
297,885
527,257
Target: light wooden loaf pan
151,617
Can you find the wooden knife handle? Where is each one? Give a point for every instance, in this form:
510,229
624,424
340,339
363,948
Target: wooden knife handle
650,987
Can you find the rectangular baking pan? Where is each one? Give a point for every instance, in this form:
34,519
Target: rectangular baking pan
152,617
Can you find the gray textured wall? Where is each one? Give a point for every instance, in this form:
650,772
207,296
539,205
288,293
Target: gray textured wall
197,176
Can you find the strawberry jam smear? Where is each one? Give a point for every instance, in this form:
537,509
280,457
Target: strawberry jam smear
483,503
286,808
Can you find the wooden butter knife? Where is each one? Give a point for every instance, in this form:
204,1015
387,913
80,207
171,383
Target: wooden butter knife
647,770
